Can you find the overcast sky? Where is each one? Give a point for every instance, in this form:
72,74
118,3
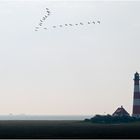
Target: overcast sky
78,70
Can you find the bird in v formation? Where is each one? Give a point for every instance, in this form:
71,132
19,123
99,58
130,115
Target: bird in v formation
66,25
48,13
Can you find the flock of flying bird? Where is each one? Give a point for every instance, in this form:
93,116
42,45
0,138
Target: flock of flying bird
64,25
43,19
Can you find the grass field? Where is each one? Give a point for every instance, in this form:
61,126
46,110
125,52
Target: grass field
67,129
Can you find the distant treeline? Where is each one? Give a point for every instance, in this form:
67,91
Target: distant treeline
112,119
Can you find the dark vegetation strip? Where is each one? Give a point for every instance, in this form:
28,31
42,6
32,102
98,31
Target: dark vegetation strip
67,129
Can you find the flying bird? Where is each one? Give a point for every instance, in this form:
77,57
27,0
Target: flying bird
40,24
48,11
98,22
43,18
81,23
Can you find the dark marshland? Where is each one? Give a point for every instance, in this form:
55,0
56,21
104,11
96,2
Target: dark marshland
66,129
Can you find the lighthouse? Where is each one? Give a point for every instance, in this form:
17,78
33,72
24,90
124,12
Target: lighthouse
136,97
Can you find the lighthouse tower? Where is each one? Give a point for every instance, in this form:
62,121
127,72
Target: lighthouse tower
136,99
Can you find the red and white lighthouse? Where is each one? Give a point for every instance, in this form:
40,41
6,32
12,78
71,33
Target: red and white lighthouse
136,99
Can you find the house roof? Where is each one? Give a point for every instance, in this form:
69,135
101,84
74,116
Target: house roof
120,112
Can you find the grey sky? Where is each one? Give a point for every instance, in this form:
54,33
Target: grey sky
76,70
